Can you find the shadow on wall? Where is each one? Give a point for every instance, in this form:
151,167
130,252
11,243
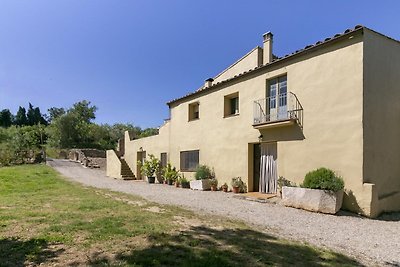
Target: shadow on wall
288,133
203,246
16,252
350,204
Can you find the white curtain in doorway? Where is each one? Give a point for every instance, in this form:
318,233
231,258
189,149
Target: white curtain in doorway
268,170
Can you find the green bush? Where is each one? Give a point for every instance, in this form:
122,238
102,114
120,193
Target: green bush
151,166
203,172
324,179
237,182
170,173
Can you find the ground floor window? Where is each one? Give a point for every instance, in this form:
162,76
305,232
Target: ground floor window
189,160
163,160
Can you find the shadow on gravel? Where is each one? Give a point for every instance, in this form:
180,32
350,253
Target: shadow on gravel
203,246
388,217
16,252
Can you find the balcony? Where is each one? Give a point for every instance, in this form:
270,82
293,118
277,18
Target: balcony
280,110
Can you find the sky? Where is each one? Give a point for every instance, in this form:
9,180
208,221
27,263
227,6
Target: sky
130,57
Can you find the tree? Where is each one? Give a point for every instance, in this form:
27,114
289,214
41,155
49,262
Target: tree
20,118
6,118
34,116
55,113
148,132
84,111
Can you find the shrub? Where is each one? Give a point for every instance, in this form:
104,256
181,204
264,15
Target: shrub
151,166
170,173
237,182
214,182
282,181
324,179
203,172
183,180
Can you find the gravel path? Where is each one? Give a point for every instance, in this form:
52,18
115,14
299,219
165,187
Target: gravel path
371,241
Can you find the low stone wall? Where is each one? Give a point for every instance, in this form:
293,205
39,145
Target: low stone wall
100,163
92,158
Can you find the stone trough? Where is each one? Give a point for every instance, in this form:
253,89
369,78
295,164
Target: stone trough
312,199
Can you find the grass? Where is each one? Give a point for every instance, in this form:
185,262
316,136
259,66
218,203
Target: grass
47,220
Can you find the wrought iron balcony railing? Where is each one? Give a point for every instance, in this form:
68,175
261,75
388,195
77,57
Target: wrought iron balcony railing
278,108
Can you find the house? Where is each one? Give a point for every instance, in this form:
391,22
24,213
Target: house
335,103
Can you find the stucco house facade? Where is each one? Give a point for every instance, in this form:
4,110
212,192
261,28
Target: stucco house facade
335,104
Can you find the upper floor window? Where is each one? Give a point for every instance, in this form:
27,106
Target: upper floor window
194,111
189,160
231,104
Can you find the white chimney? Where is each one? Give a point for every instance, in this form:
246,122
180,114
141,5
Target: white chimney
267,47
208,82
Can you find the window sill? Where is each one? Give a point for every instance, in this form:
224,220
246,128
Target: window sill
194,120
231,115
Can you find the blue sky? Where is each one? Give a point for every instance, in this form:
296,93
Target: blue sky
130,57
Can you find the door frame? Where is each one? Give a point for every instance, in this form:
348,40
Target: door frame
251,162
140,157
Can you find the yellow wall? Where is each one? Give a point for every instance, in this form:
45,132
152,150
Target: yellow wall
329,84
152,145
113,164
382,119
332,134
249,61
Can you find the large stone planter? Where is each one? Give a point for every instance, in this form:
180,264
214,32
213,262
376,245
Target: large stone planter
312,199
200,184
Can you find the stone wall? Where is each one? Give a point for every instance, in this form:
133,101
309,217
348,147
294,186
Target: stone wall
92,158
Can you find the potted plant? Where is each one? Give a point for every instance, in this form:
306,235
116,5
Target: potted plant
150,167
184,182
177,182
170,174
321,191
283,182
224,187
203,175
214,184
238,186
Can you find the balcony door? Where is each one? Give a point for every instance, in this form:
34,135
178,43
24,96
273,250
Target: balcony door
277,95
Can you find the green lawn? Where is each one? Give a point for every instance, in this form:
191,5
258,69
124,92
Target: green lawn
47,220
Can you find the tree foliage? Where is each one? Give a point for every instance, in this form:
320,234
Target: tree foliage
65,128
21,144
6,118
34,116
55,113
20,118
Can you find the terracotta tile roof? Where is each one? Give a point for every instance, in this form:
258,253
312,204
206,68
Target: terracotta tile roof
276,60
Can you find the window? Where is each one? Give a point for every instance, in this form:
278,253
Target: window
189,160
194,111
277,89
231,105
163,160
277,95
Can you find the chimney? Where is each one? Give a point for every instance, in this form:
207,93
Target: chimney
208,82
267,47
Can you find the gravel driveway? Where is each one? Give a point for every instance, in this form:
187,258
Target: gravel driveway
371,241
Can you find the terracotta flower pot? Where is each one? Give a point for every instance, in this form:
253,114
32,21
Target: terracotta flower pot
176,184
225,189
214,188
235,190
